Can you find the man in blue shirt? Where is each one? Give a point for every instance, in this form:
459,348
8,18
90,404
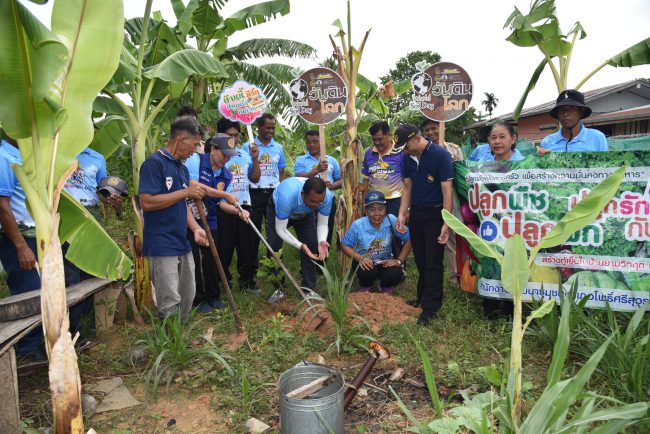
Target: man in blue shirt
310,165
573,136
164,188
293,204
18,241
272,164
209,169
232,232
428,175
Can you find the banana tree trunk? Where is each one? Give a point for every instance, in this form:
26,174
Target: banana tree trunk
65,383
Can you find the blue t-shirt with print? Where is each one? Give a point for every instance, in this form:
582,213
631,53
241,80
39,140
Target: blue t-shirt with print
271,160
305,163
587,140
289,203
82,184
165,230
240,167
201,170
376,244
10,186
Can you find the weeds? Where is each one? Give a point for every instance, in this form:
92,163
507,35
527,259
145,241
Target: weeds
173,350
276,330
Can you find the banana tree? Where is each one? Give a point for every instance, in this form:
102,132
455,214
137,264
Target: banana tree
541,28
49,81
515,265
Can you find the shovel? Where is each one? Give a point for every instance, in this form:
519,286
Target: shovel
321,318
237,339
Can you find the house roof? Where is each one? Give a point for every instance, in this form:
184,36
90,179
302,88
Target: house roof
637,87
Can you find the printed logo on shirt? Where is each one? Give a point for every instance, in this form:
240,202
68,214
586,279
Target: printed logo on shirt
430,178
221,186
267,167
77,179
381,170
235,169
168,182
376,249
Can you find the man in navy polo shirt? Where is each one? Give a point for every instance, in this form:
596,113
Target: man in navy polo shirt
164,188
428,175
209,169
293,204
573,136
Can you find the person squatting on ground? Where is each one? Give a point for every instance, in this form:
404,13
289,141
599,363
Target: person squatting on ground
164,188
272,164
293,204
382,166
428,175
233,232
310,165
372,243
208,169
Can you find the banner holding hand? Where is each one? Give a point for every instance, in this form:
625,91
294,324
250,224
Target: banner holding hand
319,96
242,102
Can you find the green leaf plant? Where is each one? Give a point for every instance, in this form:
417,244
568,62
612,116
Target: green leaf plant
551,412
50,78
541,28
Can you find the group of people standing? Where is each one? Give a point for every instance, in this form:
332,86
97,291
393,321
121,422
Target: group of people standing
407,182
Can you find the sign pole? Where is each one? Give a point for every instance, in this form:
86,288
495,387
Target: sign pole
323,151
251,137
441,134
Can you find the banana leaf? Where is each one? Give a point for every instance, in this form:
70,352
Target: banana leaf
637,54
184,63
514,268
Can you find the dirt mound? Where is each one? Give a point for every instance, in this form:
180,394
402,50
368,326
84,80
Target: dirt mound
375,308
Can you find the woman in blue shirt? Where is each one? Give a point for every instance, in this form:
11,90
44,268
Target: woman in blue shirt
502,139
370,243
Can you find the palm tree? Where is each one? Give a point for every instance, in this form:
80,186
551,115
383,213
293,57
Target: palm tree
490,102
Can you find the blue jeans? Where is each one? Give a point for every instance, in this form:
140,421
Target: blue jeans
20,281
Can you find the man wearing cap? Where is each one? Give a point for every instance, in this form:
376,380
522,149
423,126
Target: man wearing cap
310,165
382,166
272,164
293,204
164,188
209,170
232,232
428,175
573,136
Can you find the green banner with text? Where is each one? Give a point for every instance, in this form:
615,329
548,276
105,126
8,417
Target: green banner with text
609,258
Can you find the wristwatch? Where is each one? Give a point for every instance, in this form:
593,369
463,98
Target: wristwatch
399,260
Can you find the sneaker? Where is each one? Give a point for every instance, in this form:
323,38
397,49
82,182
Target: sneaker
276,297
217,304
205,307
364,289
253,291
388,290
426,316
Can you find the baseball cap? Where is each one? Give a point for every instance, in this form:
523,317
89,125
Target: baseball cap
374,197
112,185
404,133
225,144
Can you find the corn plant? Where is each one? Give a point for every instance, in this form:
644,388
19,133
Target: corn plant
549,414
348,336
170,344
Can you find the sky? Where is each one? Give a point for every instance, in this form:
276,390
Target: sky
469,33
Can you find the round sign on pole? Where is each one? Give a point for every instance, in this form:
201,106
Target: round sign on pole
242,102
319,96
442,92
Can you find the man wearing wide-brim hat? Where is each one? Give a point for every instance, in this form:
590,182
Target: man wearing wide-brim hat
572,136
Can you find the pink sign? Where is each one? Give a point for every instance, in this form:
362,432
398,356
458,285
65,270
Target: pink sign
242,102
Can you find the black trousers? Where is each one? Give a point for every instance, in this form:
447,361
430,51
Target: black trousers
392,206
425,225
306,233
233,233
259,201
388,276
206,275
